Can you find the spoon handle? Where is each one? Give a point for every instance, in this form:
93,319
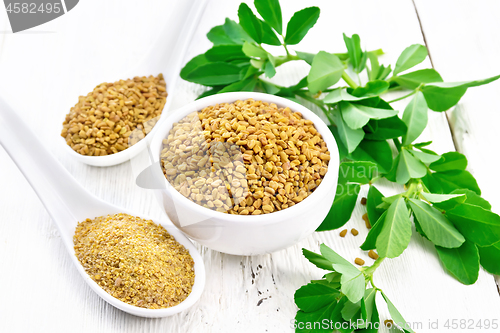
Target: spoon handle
64,199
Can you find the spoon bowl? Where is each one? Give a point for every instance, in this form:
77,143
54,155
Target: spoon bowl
68,203
165,56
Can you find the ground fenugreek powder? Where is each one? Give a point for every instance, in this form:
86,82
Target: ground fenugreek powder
135,260
247,157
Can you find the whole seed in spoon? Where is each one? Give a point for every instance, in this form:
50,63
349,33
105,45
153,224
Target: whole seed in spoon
135,260
115,116
246,157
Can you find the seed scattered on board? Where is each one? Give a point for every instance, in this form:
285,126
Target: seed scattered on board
367,221
372,254
354,232
359,261
343,233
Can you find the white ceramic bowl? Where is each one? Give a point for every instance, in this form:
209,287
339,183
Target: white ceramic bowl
250,234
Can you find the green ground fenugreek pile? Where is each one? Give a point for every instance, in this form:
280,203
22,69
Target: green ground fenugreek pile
135,260
246,157
115,116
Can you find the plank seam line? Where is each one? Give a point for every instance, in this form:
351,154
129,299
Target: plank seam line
497,281
432,64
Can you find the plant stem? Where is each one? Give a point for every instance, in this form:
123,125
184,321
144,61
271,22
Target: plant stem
348,80
397,143
371,269
405,96
280,60
286,49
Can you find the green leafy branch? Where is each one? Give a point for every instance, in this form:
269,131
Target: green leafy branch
440,196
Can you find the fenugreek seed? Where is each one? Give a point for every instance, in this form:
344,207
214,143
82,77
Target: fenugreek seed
269,158
363,201
267,208
372,254
343,233
354,232
389,323
359,261
367,221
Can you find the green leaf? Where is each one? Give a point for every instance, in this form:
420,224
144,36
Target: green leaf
250,23
357,57
369,303
472,198
477,224
210,92
372,328
351,311
268,35
342,148
342,207
371,238
441,96
377,71
409,167
340,265
373,199
455,179
306,319
356,172
270,10
414,79
269,69
396,231
444,201
490,258
441,99
218,36
462,262
411,56
326,70
353,286
245,85
254,51
314,296
270,88
338,95
215,73
372,88
435,225
450,161
415,118
300,23
388,128
378,152
236,32
225,53
348,136
307,57
425,157
395,315
317,259
357,115
193,64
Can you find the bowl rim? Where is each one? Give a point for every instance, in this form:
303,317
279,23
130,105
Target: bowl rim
329,179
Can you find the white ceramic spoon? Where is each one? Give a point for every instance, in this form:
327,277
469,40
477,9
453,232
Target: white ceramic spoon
166,55
68,203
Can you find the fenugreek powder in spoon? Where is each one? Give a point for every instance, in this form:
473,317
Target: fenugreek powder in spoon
135,260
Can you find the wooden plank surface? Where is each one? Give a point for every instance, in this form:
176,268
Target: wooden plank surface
467,49
42,74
